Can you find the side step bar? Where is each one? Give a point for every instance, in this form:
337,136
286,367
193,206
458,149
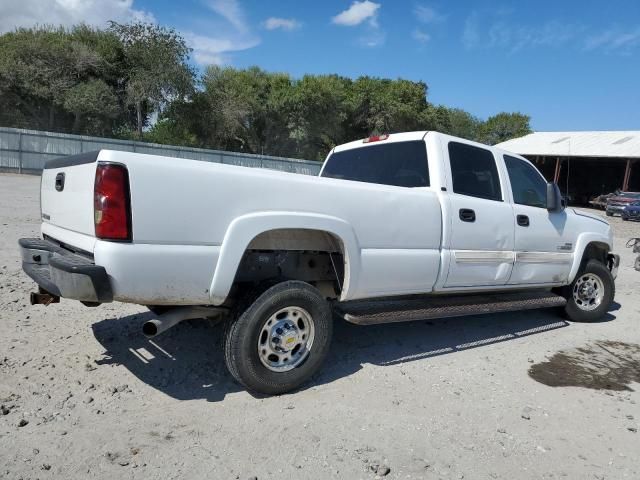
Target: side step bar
407,309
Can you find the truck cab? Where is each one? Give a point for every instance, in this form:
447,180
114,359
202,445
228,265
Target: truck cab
503,225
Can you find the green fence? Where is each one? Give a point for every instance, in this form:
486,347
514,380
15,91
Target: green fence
27,151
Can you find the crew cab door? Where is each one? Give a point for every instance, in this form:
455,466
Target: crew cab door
481,222
543,240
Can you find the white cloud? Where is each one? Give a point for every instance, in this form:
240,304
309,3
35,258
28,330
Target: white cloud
503,33
216,49
209,50
420,36
614,40
428,14
357,13
29,13
274,23
231,11
471,33
373,38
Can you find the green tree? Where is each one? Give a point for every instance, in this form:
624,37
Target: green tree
386,106
42,69
504,126
318,114
109,82
463,124
242,110
169,132
91,101
155,67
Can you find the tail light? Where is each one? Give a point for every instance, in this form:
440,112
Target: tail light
112,203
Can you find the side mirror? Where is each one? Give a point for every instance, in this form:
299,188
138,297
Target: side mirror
555,202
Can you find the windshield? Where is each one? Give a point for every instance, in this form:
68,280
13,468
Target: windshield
402,164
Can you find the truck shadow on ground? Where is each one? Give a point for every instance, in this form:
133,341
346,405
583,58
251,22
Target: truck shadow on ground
187,363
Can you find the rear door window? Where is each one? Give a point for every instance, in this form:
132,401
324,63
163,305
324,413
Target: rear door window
474,171
401,164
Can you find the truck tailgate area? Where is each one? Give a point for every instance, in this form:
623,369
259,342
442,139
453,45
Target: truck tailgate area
67,194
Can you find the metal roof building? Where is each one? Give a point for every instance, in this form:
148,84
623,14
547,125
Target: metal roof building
584,164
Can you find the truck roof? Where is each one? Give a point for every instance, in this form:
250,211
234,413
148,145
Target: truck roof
418,135
393,137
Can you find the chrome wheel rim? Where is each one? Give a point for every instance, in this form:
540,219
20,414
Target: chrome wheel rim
286,339
588,292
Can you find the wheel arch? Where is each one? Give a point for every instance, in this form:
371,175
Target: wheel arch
246,229
589,246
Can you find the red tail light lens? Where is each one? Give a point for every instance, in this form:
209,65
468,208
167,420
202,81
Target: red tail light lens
111,203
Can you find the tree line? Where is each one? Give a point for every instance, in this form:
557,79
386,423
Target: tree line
136,81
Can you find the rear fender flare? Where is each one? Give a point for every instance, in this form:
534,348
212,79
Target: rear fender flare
244,229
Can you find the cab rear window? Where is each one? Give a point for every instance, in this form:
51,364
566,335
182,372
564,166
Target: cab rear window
401,164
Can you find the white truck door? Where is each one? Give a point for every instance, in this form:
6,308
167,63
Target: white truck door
543,240
482,227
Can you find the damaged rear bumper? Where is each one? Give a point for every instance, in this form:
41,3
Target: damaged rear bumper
63,273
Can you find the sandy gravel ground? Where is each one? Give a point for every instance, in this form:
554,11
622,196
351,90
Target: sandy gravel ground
84,395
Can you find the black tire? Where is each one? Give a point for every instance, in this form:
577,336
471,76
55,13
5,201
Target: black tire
244,330
609,214
577,310
625,218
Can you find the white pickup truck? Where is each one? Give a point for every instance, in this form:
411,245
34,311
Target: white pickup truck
397,227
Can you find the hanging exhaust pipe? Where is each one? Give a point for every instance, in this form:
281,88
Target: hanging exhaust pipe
42,297
172,317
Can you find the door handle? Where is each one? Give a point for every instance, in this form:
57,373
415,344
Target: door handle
523,220
467,215
60,181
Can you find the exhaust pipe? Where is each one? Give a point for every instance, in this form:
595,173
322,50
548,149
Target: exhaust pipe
43,298
164,322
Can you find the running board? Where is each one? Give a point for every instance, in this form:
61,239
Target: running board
407,309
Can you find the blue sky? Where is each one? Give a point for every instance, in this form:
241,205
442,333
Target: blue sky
571,65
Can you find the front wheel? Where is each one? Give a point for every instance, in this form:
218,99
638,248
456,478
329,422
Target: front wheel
591,293
280,340
609,214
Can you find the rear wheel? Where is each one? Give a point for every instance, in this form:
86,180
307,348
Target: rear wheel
280,340
591,293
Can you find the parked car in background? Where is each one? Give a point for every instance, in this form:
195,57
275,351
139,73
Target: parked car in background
600,201
616,204
631,211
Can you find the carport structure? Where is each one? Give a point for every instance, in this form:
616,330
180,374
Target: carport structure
584,164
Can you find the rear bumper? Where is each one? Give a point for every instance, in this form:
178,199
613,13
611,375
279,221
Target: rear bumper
63,273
